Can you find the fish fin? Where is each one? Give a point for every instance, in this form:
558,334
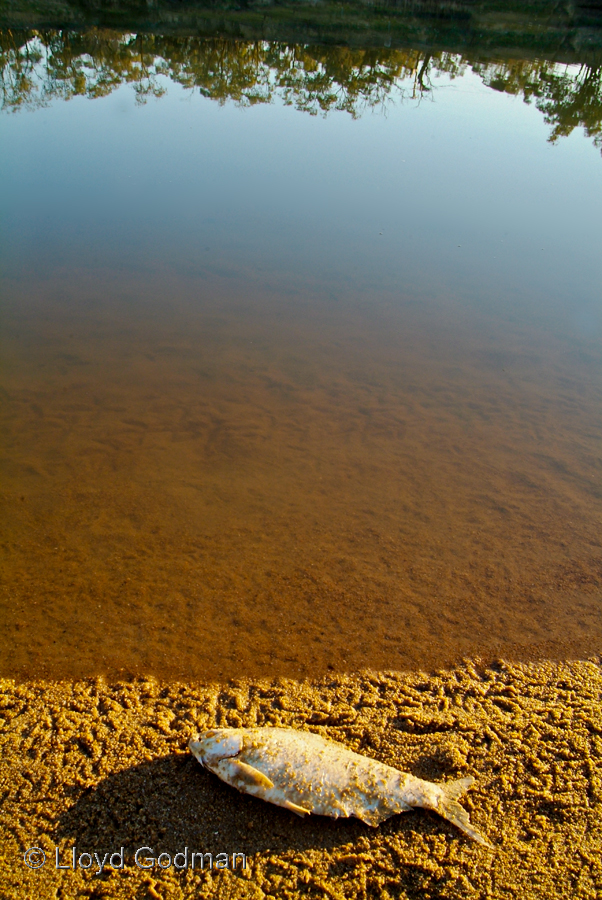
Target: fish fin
248,775
451,810
299,810
455,789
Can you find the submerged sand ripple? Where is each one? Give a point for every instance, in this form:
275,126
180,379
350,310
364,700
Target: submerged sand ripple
101,766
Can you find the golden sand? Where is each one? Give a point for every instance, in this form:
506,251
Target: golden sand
100,766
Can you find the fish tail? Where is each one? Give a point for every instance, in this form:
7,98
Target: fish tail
450,809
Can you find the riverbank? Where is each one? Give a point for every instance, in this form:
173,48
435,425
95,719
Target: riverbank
99,767
527,30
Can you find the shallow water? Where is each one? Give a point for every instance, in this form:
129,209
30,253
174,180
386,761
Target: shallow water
285,394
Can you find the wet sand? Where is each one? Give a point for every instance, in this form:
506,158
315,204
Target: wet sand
102,766
236,482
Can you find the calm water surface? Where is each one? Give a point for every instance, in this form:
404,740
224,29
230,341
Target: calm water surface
286,393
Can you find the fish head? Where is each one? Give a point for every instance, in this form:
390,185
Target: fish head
220,743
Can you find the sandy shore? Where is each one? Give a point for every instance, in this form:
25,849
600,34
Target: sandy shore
100,766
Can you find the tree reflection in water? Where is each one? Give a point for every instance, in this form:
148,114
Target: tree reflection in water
40,66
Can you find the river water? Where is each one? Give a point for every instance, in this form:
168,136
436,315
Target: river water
287,393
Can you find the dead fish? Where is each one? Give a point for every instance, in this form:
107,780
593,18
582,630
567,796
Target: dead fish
306,773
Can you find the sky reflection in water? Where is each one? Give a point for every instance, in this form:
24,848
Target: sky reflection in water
457,189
